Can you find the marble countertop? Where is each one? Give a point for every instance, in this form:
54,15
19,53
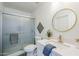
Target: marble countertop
63,49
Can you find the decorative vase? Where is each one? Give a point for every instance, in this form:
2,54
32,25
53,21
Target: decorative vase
49,34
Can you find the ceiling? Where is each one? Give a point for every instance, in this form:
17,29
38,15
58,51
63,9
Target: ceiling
23,6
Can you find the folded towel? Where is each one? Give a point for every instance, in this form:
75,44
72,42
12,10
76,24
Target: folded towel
47,49
14,38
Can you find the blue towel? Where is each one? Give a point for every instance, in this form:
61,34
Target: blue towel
47,49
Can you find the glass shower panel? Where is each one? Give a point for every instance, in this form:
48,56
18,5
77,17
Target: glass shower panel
10,26
0,33
17,33
27,36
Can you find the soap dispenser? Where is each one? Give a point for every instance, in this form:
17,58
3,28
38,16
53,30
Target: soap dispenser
60,39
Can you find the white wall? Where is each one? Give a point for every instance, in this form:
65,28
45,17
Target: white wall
44,15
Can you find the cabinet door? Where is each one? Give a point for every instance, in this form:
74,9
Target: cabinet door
40,48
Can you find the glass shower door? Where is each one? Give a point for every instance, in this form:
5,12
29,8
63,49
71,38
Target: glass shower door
10,26
27,36
17,33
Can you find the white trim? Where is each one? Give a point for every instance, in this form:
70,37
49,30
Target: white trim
18,15
17,53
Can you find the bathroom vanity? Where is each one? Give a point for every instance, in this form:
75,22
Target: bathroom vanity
62,49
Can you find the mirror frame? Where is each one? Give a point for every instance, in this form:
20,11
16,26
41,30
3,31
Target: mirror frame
60,11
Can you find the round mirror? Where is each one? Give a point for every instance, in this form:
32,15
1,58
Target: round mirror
64,20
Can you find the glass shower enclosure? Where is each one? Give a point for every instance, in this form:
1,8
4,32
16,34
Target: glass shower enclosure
17,32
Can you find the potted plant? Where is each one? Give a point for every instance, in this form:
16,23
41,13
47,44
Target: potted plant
49,34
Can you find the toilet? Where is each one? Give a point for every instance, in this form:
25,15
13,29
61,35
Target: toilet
31,49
